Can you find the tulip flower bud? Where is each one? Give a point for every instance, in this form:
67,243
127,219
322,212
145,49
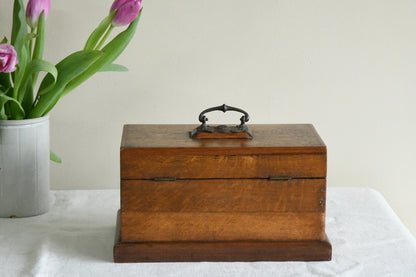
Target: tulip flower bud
34,9
8,58
127,11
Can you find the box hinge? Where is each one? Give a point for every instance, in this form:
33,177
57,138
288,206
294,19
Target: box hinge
164,179
279,178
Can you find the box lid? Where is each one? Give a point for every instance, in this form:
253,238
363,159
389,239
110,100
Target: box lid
152,151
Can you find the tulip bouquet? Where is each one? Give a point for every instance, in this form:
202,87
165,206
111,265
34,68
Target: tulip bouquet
21,58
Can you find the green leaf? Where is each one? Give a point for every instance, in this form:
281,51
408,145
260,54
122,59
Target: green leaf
4,99
99,31
28,97
4,40
5,80
20,71
19,32
3,115
37,66
111,51
40,38
18,77
113,67
19,28
53,157
39,45
68,69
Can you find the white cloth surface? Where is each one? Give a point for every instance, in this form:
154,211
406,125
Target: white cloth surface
76,239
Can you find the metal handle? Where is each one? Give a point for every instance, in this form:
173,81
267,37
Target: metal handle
222,131
224,108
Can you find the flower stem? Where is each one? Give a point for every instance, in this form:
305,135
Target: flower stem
11,80
104,37
32,31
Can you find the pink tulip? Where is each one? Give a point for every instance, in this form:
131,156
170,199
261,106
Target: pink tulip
127,11
8,58
34,9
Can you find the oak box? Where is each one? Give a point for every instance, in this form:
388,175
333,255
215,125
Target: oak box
187,199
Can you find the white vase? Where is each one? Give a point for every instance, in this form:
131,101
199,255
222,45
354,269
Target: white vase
24,167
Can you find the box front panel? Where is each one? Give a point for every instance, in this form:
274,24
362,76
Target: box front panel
213,226
224,195
222,190
136,165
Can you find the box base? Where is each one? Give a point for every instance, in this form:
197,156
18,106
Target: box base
220,251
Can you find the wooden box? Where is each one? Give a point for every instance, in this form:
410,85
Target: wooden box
184,199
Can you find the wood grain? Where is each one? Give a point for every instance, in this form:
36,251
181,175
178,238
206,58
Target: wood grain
247,251
222,207
194,226
135,165
224,195
220,251
292,137
150,151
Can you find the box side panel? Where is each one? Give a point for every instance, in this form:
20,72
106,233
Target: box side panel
224,195
136,165
160,226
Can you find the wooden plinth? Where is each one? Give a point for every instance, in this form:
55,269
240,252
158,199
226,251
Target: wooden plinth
197,251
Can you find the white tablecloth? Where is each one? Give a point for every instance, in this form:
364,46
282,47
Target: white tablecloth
76,239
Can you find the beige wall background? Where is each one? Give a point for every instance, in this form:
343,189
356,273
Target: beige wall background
348,67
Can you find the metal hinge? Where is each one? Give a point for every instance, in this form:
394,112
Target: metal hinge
164,179
279,178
